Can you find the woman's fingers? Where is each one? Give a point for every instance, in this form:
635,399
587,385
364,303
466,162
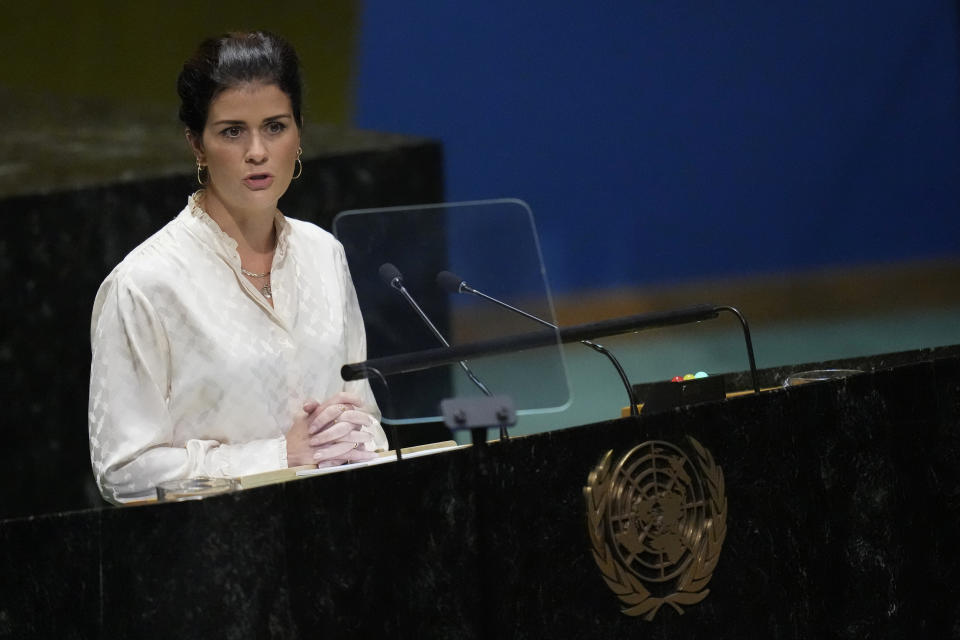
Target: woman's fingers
340,413
346,431
358,436
320,414
327,416
333,451
343,397
357,416
332,433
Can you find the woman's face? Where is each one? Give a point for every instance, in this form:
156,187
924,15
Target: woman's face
249,145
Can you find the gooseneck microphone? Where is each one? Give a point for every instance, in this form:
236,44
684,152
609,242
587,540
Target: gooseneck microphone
394,279
453,283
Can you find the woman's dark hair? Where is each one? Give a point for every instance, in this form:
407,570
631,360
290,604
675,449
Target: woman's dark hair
232,60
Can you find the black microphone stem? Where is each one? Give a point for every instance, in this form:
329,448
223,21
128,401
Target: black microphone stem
423,316
599,348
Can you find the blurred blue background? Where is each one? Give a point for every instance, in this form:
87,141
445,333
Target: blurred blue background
660,141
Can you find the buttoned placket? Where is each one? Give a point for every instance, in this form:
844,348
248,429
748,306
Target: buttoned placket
293,369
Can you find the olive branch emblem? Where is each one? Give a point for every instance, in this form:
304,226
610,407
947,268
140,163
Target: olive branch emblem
690,586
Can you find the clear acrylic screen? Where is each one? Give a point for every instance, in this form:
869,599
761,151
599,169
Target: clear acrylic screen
492,245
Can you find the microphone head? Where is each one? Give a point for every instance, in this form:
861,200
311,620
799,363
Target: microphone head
391,275
450,282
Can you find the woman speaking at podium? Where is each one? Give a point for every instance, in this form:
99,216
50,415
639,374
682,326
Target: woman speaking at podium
217,343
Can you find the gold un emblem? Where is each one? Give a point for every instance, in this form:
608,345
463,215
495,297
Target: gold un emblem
657,521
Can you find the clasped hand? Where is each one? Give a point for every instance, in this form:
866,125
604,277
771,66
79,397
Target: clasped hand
330,433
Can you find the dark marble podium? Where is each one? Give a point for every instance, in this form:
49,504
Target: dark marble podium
843,522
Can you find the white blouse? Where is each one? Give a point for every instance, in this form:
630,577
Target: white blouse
194,373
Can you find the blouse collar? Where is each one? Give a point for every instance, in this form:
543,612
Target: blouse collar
227,246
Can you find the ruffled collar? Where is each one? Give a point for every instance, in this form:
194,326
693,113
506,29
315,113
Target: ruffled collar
227,246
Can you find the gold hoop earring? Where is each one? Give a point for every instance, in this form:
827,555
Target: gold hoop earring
200,168
299,164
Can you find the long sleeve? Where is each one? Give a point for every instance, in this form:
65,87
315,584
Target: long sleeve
132,435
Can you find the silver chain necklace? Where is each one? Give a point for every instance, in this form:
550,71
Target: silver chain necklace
254,275
265,289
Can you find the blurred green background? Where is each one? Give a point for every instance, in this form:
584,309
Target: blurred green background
133,52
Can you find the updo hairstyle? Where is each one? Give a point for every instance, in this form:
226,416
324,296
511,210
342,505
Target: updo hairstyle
230,61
